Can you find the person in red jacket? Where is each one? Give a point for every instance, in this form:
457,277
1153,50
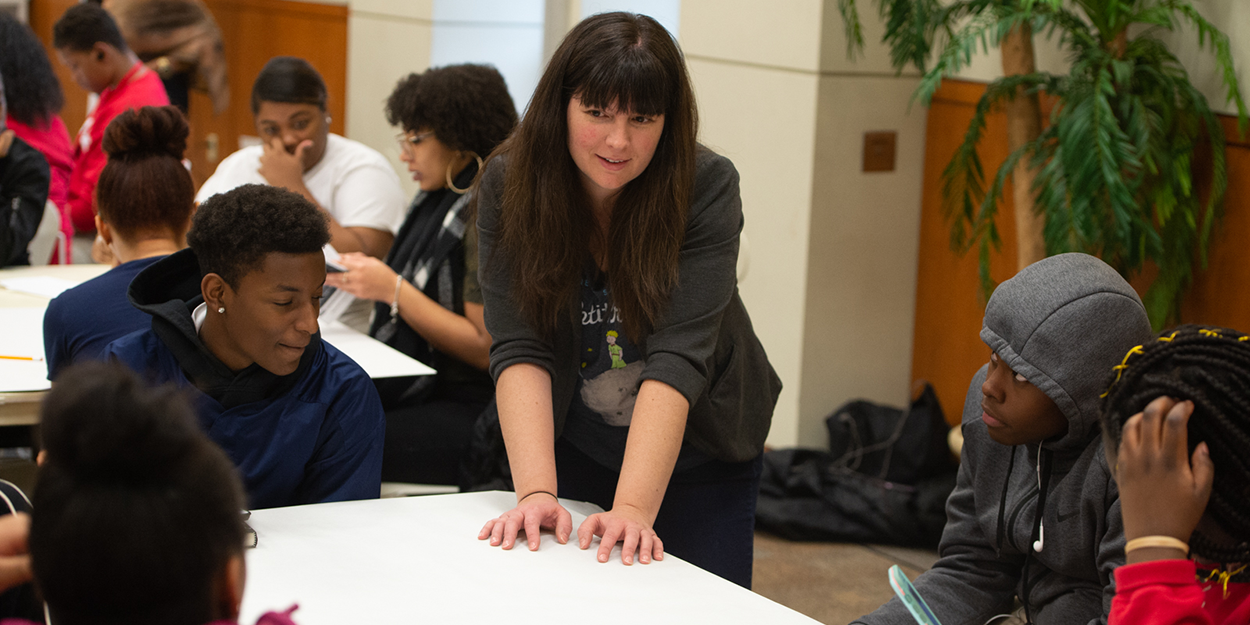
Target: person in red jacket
1177,427
89,43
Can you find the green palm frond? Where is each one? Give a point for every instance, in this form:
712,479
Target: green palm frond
981,33
853,27
963,180
1114,168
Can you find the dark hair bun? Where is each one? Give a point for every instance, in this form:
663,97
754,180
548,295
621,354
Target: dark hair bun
136,512
104,425
150,131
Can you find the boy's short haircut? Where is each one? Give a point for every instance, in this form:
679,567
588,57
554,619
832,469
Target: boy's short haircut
232,232
84,25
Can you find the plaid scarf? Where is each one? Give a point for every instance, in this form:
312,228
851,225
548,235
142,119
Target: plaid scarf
432,257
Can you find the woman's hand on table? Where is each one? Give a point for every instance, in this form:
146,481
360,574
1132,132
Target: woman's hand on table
1163,489
366,277
534,513
626,525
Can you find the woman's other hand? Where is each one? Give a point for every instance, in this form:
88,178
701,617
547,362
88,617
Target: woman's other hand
533,513
627,526
366,277
1163,490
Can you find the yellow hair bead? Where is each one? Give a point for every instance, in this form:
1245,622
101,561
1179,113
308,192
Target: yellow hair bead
1119,369
1223,577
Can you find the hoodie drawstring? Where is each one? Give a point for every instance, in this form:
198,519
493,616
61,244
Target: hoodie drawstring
1043,483
1002,503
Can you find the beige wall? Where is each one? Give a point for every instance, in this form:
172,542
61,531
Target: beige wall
754,71
386,39
864,235
831,288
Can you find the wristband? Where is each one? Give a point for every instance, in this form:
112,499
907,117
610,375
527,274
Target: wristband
1156,541
537,492
399,281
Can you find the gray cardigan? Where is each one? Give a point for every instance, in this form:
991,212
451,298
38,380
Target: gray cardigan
703,345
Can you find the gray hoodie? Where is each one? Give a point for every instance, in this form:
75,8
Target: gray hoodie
1063,323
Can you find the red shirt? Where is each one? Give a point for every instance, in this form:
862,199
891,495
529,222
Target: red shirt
139,87
1168,592
52,140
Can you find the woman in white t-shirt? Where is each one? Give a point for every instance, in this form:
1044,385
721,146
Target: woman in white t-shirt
351,182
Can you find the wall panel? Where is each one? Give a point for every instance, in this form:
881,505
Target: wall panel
946,346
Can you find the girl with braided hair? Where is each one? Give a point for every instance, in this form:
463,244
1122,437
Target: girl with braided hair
1176,424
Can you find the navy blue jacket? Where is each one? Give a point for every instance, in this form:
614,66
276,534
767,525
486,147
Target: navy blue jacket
309,437
82,321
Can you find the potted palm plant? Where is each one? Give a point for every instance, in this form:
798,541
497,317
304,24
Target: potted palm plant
1111,171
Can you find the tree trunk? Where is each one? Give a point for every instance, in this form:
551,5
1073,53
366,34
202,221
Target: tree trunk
1024,124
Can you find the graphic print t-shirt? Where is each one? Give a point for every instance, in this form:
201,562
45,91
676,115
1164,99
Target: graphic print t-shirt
611,365
599,417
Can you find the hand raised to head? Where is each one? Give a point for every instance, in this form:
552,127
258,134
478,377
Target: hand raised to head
1163,489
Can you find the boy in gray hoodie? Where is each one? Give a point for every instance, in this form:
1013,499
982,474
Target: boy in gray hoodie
1035,513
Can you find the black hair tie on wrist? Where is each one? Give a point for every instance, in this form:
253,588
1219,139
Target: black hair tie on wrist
537,492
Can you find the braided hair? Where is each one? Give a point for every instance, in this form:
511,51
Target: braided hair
1211,367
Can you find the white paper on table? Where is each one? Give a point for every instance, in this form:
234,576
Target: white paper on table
27,341
337,302
41,286
378,359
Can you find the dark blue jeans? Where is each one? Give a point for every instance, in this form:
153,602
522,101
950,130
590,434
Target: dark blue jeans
707,517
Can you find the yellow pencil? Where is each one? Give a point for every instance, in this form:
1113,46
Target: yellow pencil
18,358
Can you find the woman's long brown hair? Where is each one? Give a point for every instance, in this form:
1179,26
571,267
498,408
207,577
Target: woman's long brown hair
547,227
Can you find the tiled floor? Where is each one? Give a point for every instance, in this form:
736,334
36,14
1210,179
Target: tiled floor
831,582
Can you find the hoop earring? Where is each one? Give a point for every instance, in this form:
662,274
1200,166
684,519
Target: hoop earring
447,174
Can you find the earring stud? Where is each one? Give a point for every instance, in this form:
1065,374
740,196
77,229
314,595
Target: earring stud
221,309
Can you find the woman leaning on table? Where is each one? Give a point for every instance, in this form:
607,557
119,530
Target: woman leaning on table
627,371
429,305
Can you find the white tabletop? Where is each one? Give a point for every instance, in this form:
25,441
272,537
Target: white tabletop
418,559
21,330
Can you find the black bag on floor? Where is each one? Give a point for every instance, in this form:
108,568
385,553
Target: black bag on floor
885,479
